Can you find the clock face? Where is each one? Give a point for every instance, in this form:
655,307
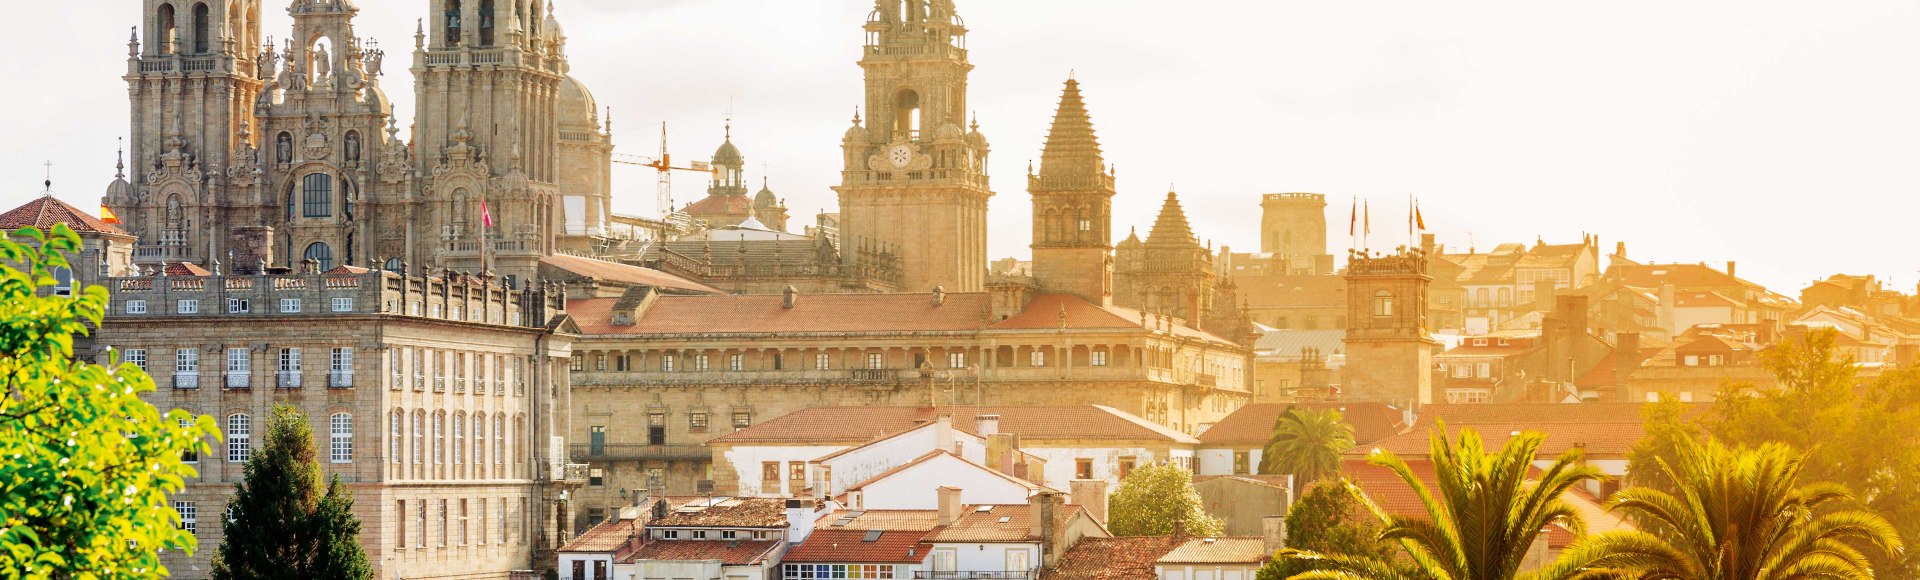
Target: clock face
900,155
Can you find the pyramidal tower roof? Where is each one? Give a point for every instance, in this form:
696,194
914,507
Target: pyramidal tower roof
1171,227
1072,149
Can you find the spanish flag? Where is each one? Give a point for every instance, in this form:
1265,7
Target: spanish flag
106,215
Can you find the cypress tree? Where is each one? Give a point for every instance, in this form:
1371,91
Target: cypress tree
282,524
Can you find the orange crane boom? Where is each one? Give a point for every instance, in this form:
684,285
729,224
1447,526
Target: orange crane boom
664,165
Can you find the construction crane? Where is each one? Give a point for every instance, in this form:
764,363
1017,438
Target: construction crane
664,165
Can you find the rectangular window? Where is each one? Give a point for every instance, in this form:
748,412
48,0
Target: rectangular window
796,471
1039,358
1083,468
188,306
666,363
700,363
822,362
316,195
742,420
956,360
622,363
239,438
340,438
237,360
289,305
481,523
443,523
136,307
1126,466
189,518
136,357
188,456
343,304
1099,358
503,520
463,522
420,521
340,368
736,362
1483,370
699,534
400,510
770,472
289,367
599,362
577,364
697,423
186,361
1240,463
875,360
239,306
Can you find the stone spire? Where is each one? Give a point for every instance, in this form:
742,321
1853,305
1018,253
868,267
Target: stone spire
1171,227
1072,150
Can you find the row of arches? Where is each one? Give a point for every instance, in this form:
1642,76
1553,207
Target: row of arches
1071,224
486,20
166,36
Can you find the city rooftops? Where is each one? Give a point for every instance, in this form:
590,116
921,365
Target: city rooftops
1033,423
726,512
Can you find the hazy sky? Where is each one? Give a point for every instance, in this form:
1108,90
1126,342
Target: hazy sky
1779,134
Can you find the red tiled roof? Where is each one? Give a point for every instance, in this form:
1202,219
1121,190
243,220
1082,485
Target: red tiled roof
1702,299
623,273
1253,423
894,520
1044,311
728,512
812,313
44,211
855,425
727,552
185,269
852,547
1218,551
929,456
1112,559
1601,440
1679,275
613,533
975,526
1603,372
727,205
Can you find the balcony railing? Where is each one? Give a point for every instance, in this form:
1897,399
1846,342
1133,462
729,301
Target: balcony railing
459,384
183,380
630,452
419,382
239,379
340,379
973,575
439,384
576,473
288,379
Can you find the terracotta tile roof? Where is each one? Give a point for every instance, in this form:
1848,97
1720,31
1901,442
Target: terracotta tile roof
1218,551
976,526
623,273
1253,423
726,205
893,520
1702,299
185,269
1604,372
727,552
610,535
728,512
1680,275
853,547
931,455
856,425
812,313
1044,313
44,211
1392,494
1112,559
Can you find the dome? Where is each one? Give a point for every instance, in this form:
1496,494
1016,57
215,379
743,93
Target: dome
976,139
856,134
728,155
577,106
948,132
765,198
119,189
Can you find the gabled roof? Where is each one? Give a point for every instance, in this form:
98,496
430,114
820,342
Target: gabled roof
723,205
992,523
1112,558
623,273
1046,311
1218,551
1253,424
936,454
860,547
45,211
610,535
727,552
1033,423
897,520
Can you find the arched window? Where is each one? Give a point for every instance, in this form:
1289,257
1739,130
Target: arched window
499,439
453,22
201,42
320,253
419,438
340,438
316,195
239,438
439,438
396,436
1383,303
352,146
519,444
906,113
1505,298
479,445
459,440
283,148
486,22
165,30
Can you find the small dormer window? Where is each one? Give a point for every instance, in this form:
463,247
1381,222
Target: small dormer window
670,534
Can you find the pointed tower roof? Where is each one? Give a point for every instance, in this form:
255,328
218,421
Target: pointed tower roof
1072,149
1171,227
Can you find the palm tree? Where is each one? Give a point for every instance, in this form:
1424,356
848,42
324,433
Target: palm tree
1480,521
1307,444
1740,516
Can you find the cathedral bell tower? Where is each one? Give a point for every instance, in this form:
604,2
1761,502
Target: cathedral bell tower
1073,207
914,184
1389,352
488,77
192,82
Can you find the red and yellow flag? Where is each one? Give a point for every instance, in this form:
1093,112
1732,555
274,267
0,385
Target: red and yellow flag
106,215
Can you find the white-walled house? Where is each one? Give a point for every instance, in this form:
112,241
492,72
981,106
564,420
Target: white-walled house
1005,541
592,554
847,467
718,537
917,484
1215,559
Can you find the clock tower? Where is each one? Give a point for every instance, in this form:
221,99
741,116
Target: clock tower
914,184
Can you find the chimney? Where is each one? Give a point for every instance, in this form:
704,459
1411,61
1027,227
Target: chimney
939,295
1626,359
1000,449
801,514
1273,529
789,297
987,425
1667,304
949,504
1620,249
1730,273
1543,295
1091,494
1048,510
943,431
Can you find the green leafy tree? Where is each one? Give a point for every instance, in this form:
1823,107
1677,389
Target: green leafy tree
1481,520
1307,444
1742,514
1328,518
88,465
1667,430
283,524
1152,498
